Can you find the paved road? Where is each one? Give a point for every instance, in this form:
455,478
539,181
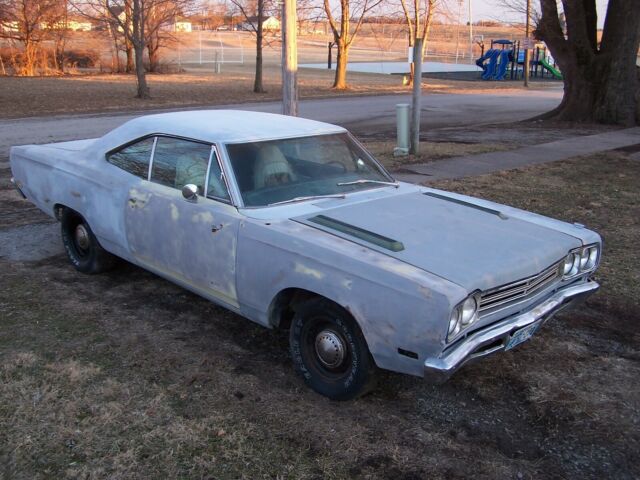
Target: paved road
364,115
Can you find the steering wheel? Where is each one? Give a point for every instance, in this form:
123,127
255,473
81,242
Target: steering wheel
340,165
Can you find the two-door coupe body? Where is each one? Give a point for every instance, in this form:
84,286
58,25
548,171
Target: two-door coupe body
291,222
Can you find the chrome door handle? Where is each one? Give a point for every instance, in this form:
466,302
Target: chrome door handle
216,228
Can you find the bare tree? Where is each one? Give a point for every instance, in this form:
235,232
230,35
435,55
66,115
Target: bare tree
140,22
157,15
253,12
134,32
29,23
418,15
342,34
97,12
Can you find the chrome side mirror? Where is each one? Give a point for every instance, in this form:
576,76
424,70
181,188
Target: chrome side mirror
190,192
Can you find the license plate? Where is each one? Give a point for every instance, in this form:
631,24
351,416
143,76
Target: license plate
522,335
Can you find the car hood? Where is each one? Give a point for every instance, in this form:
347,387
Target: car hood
471,245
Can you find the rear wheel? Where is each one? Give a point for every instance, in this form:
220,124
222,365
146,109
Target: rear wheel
82,247
329,351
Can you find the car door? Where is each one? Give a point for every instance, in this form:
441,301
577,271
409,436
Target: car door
190,241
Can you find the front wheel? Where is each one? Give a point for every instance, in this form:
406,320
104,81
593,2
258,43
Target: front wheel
82,247
330,352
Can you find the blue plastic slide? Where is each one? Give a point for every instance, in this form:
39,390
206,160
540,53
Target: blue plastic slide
490,69
481,60
502,66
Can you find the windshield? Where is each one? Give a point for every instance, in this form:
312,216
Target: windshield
279,171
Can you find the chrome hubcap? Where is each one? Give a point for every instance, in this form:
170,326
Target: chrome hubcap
330,348
82,237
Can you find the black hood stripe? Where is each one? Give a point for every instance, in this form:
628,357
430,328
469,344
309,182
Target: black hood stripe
467,204
360,233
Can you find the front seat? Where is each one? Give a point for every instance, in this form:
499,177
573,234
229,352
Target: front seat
271,168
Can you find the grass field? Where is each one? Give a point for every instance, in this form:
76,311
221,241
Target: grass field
125,375
37,96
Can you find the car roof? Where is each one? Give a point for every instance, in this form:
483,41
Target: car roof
224,126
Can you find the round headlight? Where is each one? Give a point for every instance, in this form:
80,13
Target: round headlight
593,257
576,264
584,258
468,311
454,325
568,264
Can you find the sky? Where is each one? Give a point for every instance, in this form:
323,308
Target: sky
487,9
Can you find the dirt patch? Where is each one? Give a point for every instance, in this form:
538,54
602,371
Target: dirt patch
125,375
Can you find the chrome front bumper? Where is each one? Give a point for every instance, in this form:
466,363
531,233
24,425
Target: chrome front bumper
495,337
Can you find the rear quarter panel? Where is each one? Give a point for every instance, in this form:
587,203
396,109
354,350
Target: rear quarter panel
97,190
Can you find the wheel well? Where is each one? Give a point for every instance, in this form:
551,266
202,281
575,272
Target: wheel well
284,305
58,208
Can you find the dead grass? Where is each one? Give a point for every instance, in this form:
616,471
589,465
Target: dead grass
430,151
39,96
124,375
600,191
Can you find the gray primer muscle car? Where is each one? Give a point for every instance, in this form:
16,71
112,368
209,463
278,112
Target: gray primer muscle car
291,223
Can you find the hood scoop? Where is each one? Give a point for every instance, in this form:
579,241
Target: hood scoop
497,213
359,233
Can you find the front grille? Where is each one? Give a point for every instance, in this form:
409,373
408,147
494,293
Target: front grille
520,290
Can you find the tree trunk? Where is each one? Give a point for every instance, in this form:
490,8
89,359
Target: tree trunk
600,84
340,81
130,66
153,47
257,83
138,46
143,89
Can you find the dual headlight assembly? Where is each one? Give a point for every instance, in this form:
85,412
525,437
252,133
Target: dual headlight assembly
580,260
577,262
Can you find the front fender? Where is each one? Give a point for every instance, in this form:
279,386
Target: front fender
396,305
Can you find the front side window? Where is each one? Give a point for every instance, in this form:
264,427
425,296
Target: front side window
178,162
133,158
282,170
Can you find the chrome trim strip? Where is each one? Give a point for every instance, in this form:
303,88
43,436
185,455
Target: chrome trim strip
439,369
216,155
206,177
153,152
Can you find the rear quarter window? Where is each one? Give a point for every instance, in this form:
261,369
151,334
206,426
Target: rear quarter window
133,158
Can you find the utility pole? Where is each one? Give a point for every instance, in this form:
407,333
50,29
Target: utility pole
458,28
526,51
289,58
416,98
470,34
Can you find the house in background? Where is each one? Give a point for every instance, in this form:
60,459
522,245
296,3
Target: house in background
79,25
181,25
269,24
10,26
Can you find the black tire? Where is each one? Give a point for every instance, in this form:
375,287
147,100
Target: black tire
347,370
86,254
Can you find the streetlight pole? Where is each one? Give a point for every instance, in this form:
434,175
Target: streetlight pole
289,58
527,50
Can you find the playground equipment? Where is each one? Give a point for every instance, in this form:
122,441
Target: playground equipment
508,61
494,63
